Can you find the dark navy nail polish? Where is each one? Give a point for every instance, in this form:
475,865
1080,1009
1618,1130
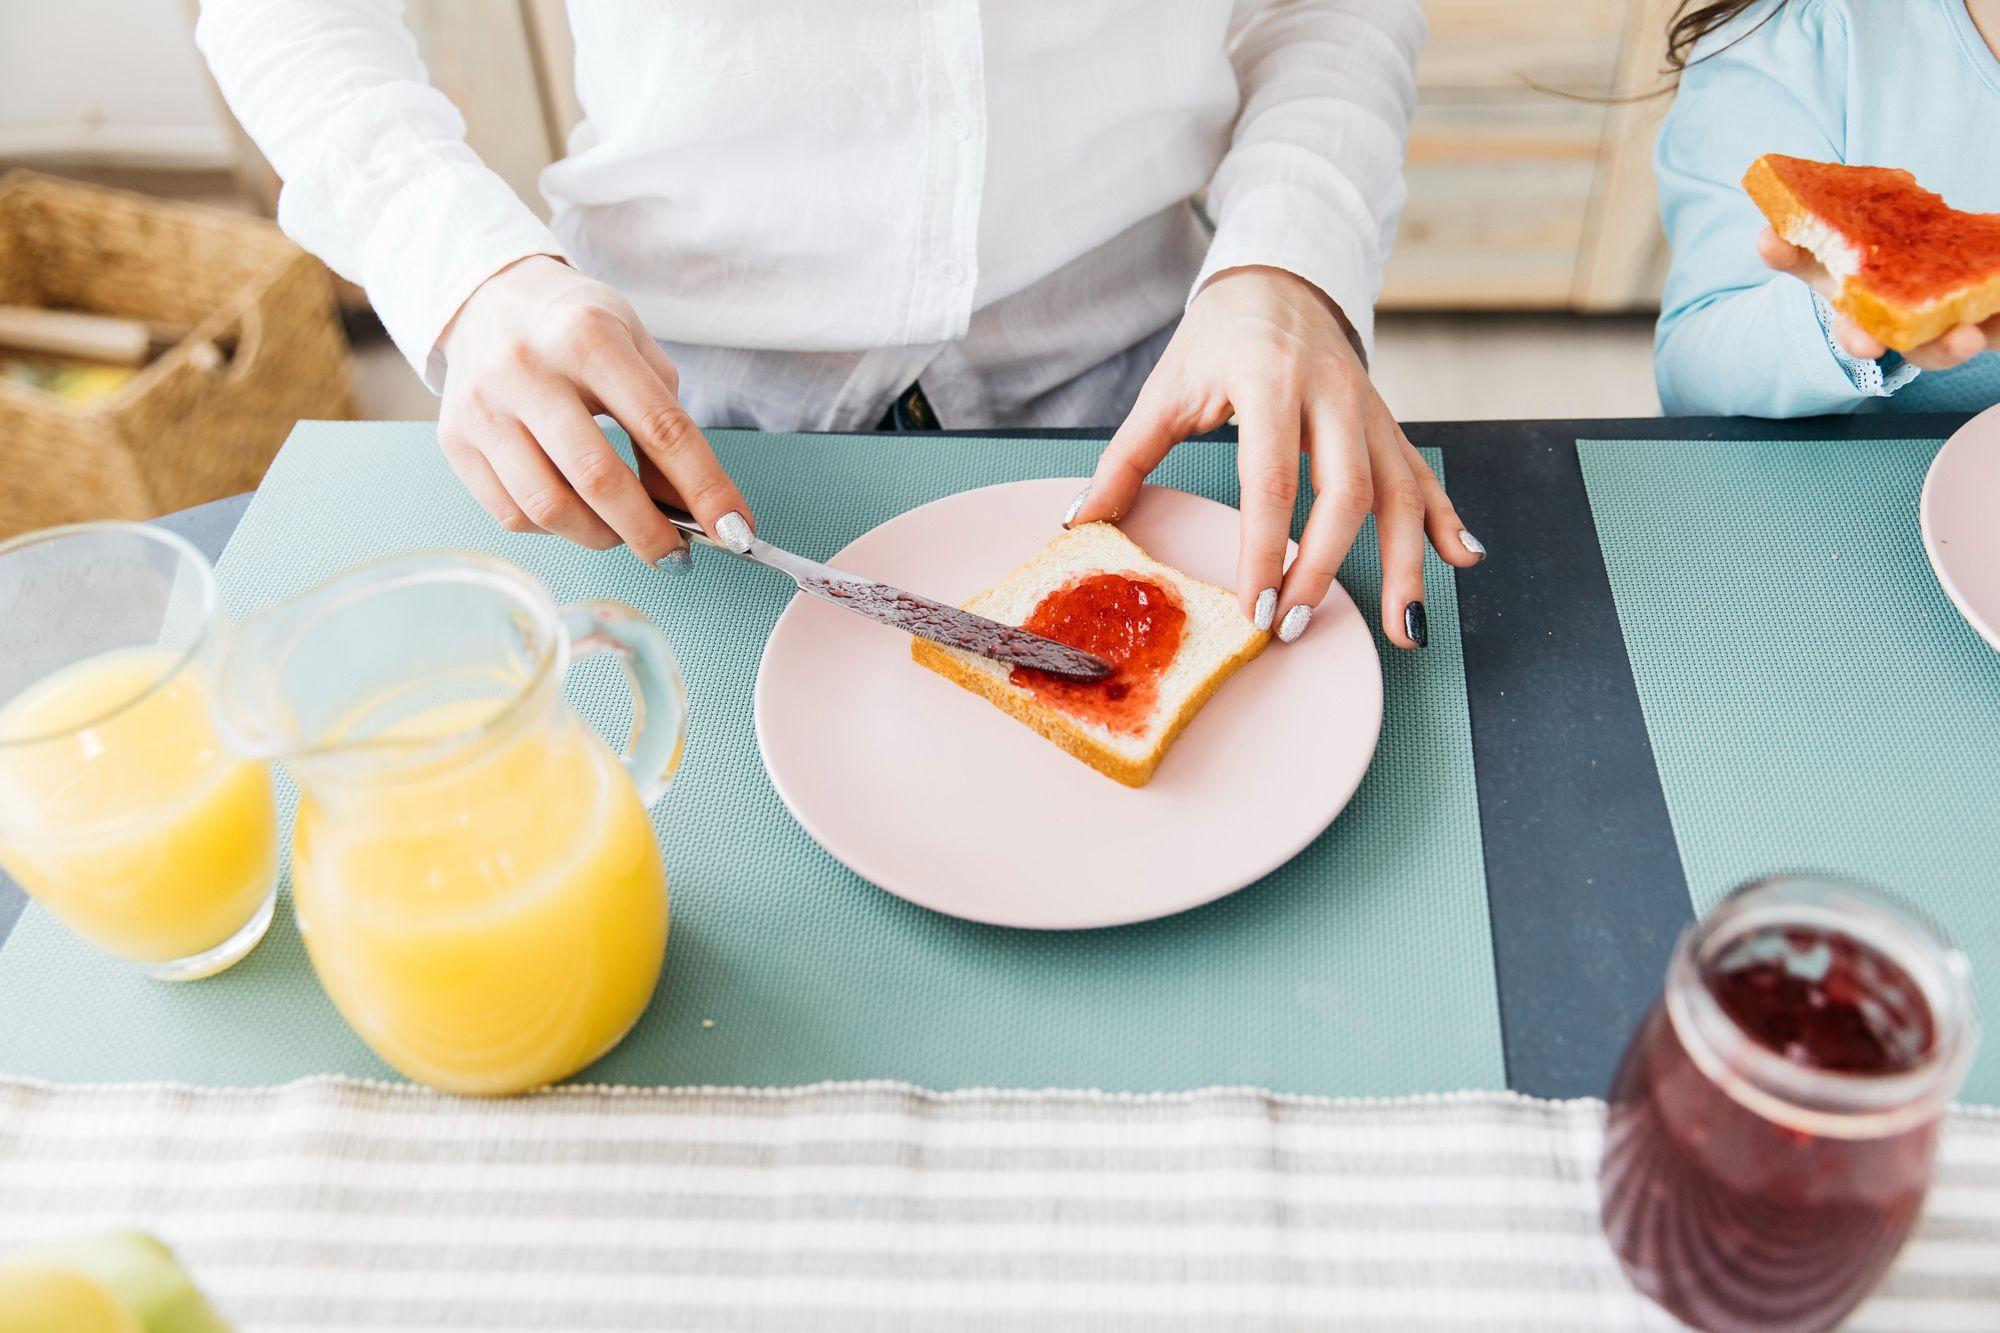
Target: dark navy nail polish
1415,625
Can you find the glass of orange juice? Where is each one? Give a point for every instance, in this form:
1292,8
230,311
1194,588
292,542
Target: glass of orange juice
121,810
473,870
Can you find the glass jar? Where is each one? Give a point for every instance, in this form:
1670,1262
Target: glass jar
1773,1123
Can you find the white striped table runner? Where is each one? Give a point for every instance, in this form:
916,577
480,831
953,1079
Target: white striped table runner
331,1203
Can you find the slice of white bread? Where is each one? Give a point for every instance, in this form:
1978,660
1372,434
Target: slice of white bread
1216,639
1910,266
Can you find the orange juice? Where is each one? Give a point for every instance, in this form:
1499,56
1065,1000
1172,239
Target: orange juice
132,823
492,921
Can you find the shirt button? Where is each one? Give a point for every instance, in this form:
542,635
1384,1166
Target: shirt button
961,128
952,272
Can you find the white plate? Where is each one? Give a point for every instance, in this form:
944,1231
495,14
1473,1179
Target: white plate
938,797
1960,517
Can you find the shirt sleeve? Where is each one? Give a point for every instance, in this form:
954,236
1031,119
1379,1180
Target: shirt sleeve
1735,338
1312,182
377,178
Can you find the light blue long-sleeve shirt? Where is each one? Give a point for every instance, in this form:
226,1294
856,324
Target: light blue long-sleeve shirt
1899,83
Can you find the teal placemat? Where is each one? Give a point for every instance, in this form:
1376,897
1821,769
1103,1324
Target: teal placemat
1363,967
1813,699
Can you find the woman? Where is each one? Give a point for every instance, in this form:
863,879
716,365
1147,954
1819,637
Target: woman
797,216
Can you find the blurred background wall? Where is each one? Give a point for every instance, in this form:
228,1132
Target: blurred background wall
109,83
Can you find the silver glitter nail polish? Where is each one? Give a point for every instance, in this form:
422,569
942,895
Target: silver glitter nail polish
1471,543
1075,506
1267,608
680,560
732,531
1294,624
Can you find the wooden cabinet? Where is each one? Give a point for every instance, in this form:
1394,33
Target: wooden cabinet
1529,165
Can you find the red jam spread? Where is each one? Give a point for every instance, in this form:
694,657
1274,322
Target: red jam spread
1914,246
1133,623
1734,1221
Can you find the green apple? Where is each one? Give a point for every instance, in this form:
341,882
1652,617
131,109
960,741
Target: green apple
127,1282
37,1298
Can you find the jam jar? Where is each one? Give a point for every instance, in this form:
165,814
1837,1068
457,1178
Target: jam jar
1774,1120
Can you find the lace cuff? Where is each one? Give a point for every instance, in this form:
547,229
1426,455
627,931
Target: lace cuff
1874,379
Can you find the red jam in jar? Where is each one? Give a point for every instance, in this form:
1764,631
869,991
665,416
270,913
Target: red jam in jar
1131,622
1773,1123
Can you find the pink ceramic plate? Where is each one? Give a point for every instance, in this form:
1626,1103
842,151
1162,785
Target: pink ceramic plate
937,796
1960,515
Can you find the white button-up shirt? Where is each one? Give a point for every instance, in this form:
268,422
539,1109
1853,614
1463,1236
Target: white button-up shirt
813,204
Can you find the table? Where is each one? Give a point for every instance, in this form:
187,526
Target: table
337,1202
1568,789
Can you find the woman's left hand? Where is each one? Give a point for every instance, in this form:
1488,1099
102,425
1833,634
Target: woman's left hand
1274,350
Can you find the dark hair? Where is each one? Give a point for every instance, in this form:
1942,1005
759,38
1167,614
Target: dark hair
1692,22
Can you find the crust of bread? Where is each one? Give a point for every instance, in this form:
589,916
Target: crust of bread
1895,323
1058,727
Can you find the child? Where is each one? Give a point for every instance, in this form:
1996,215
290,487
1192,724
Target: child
1745,327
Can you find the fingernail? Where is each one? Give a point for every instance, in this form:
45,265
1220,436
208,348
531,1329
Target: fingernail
1472,543
732,531
1294,624
1415,625
1075,506
1267,608
680,560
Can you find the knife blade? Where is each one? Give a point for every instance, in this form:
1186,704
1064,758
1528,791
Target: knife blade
907,611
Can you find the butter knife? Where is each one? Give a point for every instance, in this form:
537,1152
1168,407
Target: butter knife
907,611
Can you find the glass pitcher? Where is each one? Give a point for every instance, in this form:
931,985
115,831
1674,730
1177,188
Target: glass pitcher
473,870
121,811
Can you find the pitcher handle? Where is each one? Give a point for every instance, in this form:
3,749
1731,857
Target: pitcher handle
659,697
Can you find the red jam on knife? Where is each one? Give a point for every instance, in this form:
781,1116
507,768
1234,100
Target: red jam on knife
1133,623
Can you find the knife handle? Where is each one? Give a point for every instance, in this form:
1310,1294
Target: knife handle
760,552
686,522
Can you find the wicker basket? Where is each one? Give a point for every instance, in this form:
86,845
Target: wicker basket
184,429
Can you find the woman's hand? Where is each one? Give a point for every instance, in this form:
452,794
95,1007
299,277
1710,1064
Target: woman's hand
534,353
1274,350
1957,346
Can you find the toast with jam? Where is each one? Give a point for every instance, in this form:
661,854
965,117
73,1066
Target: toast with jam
1910,266
1171,639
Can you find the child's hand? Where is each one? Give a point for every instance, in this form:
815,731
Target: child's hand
1957,346
532,355
1274,350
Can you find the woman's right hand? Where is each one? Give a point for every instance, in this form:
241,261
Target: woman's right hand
1958,344
534,353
